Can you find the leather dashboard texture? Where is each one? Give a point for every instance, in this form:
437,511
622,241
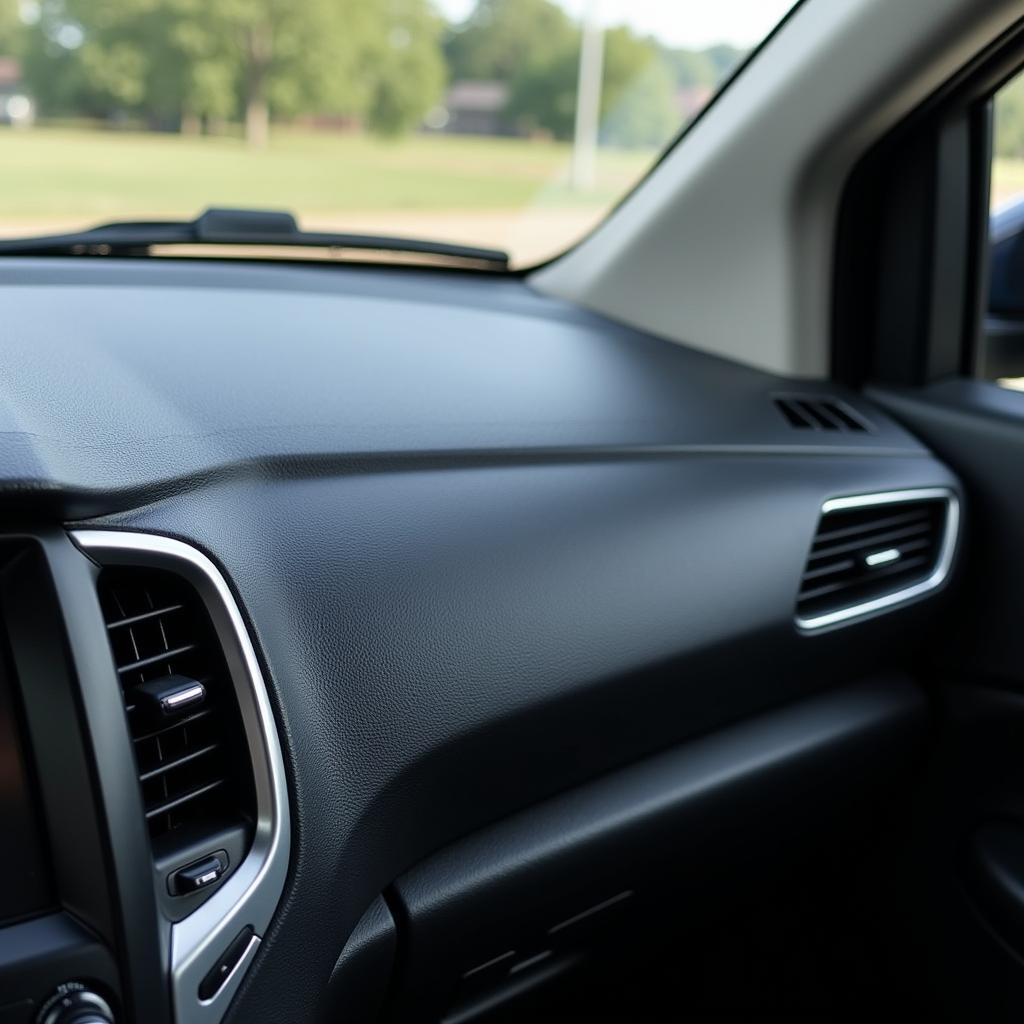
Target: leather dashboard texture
488,547
137,381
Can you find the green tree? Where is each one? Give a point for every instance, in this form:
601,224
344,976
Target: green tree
543,95
405,71
692,68
707,68
189,59
119,40
100,57
11,28
637,104
53,63
379,61
277,55
1009,120
724,59
502,36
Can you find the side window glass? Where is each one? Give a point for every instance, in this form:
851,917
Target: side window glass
1001,358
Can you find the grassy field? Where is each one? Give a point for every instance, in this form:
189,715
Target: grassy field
466,189
509,193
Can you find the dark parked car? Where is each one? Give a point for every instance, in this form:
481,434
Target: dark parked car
1003,352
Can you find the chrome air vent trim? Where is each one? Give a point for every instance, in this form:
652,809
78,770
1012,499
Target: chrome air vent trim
904,595
250,896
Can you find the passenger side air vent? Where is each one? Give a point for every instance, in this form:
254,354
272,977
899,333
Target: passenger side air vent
811,412
182,713
876,551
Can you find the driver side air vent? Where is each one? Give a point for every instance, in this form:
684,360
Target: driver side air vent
811,412
876,551
178,697
207,755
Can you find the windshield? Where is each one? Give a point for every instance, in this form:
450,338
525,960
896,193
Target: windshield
511,124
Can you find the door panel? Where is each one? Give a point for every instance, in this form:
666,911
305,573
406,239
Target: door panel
961,880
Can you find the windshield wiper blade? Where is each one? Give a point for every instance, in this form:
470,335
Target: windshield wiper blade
236,228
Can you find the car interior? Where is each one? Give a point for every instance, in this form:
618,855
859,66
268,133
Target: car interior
632,636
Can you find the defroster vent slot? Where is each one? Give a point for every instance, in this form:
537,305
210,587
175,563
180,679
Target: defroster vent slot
816,413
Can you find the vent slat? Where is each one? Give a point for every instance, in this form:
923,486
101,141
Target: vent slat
187,765
848,418
828,570
144,616
831,588
155,659
848,564
870,540
863,553
180,801
817,412
186,720
916,515
793,415
812,412
180,762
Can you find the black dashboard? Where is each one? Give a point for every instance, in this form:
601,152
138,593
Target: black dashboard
507,593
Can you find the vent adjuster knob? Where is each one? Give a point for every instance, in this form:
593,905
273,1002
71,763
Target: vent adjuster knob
168,696
876,559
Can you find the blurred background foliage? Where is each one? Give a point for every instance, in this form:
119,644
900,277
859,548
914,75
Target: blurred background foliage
383,65
1009,120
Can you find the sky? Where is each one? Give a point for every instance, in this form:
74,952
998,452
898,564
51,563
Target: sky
690,23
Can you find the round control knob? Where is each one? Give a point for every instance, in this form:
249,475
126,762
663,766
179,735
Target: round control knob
73,1003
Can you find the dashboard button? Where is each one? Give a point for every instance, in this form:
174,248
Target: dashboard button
213,981
198,875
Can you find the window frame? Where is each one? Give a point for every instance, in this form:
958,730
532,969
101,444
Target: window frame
910,270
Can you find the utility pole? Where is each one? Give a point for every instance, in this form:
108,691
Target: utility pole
588,100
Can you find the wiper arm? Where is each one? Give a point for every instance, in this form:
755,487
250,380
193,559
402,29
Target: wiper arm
235,227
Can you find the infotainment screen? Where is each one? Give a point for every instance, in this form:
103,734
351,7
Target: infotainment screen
24,872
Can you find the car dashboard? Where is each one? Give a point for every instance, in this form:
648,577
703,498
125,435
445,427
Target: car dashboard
384,644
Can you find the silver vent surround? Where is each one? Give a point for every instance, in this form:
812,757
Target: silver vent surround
903,595
251,895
